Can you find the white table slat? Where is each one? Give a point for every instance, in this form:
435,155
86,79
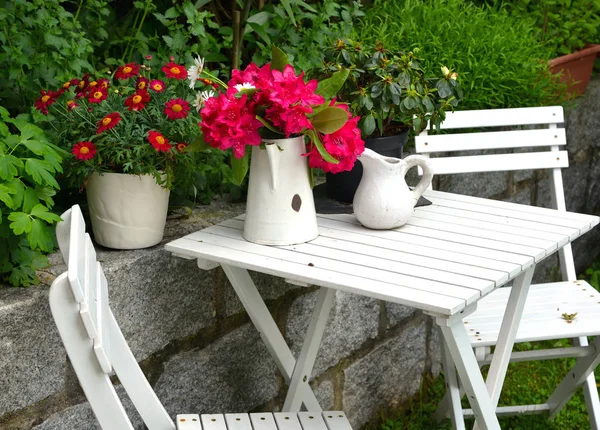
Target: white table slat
336,421
433,302
287,421
213,422
312,421
263,421
238,422
480,242
550,216
333,221
535,229
353,265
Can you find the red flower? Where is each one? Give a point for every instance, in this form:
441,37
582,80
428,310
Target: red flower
84,151
160,143
142,83
45,101
137,100
71,105
181,146
82,85
104,83
157,85
175,71
97,94
177,108
127,71
108,122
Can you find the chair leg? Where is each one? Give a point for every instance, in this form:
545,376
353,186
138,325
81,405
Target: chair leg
451,401
590,393
584,367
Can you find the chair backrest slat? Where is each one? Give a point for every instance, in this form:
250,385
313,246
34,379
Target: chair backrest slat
102,342
75,261
88,307
499,162
490,140
502,117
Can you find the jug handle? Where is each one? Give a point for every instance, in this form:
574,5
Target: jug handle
425,182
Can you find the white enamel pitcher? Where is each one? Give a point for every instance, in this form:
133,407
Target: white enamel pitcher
280,209
383,200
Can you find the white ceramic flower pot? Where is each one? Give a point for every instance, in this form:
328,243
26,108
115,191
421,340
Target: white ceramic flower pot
127,211
280,209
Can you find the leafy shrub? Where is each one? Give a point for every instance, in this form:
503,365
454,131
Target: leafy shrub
42,45
28,164
501,61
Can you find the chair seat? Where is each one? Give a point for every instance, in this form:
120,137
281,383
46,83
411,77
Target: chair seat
331,420
543,316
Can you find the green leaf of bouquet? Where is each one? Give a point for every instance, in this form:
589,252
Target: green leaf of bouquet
279,59
268,124
330,120
329,87
40,236
249,91
40,172
198,145
8,166
21,222
314,137
239,168
40,211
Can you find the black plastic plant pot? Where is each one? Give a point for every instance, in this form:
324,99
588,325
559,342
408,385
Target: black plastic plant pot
342,186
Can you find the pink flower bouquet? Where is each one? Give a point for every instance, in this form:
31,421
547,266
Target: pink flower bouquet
273,101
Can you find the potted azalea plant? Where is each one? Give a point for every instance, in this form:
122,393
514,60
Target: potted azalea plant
290,124
128,134
392,94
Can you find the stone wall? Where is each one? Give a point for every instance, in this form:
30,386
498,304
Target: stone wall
201,353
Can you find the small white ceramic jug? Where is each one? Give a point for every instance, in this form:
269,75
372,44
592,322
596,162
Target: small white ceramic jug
383,200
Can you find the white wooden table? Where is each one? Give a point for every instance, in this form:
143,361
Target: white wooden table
448,256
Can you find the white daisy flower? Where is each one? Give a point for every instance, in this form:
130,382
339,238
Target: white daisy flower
244,86
201,97
195,70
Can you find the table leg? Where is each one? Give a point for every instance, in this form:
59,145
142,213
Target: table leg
457,341
310,348
506,336
266,326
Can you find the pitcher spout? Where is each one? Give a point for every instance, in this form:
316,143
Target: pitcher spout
371,159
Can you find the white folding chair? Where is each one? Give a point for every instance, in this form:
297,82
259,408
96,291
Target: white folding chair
543,317
96,347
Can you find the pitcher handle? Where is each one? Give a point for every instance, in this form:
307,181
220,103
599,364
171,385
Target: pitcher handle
423,162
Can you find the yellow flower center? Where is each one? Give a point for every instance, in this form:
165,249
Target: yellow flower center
93,83
81,84
70,102
98,95
137,99
175,70
127,69
45,99
157,87
104,84
176,108
84,150
66,84
106,121
142,85
160,140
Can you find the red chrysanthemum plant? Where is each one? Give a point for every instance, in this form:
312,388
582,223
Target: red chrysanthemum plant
275,101
128,121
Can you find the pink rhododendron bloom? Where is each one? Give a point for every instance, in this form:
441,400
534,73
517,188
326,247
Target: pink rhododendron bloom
291,120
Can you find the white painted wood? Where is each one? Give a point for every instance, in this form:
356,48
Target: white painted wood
308,353
102,342
188,422
540,354
452,402
63,233
311,421
76,261
506,337
590,391
263,421
336,420
503,117
238,422
503,411
266,326
499,162
206,264
287,421
295,282
490,140
468,370
213,422
89,305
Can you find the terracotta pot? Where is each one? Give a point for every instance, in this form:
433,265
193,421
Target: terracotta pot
576,68
127,211
342,186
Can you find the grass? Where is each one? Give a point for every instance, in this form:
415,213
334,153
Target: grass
526,383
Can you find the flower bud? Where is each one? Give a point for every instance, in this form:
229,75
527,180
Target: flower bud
172,58
148,57
445,71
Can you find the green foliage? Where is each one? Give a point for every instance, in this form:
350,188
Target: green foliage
28,163
592,275
42,44
390,91
500,59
